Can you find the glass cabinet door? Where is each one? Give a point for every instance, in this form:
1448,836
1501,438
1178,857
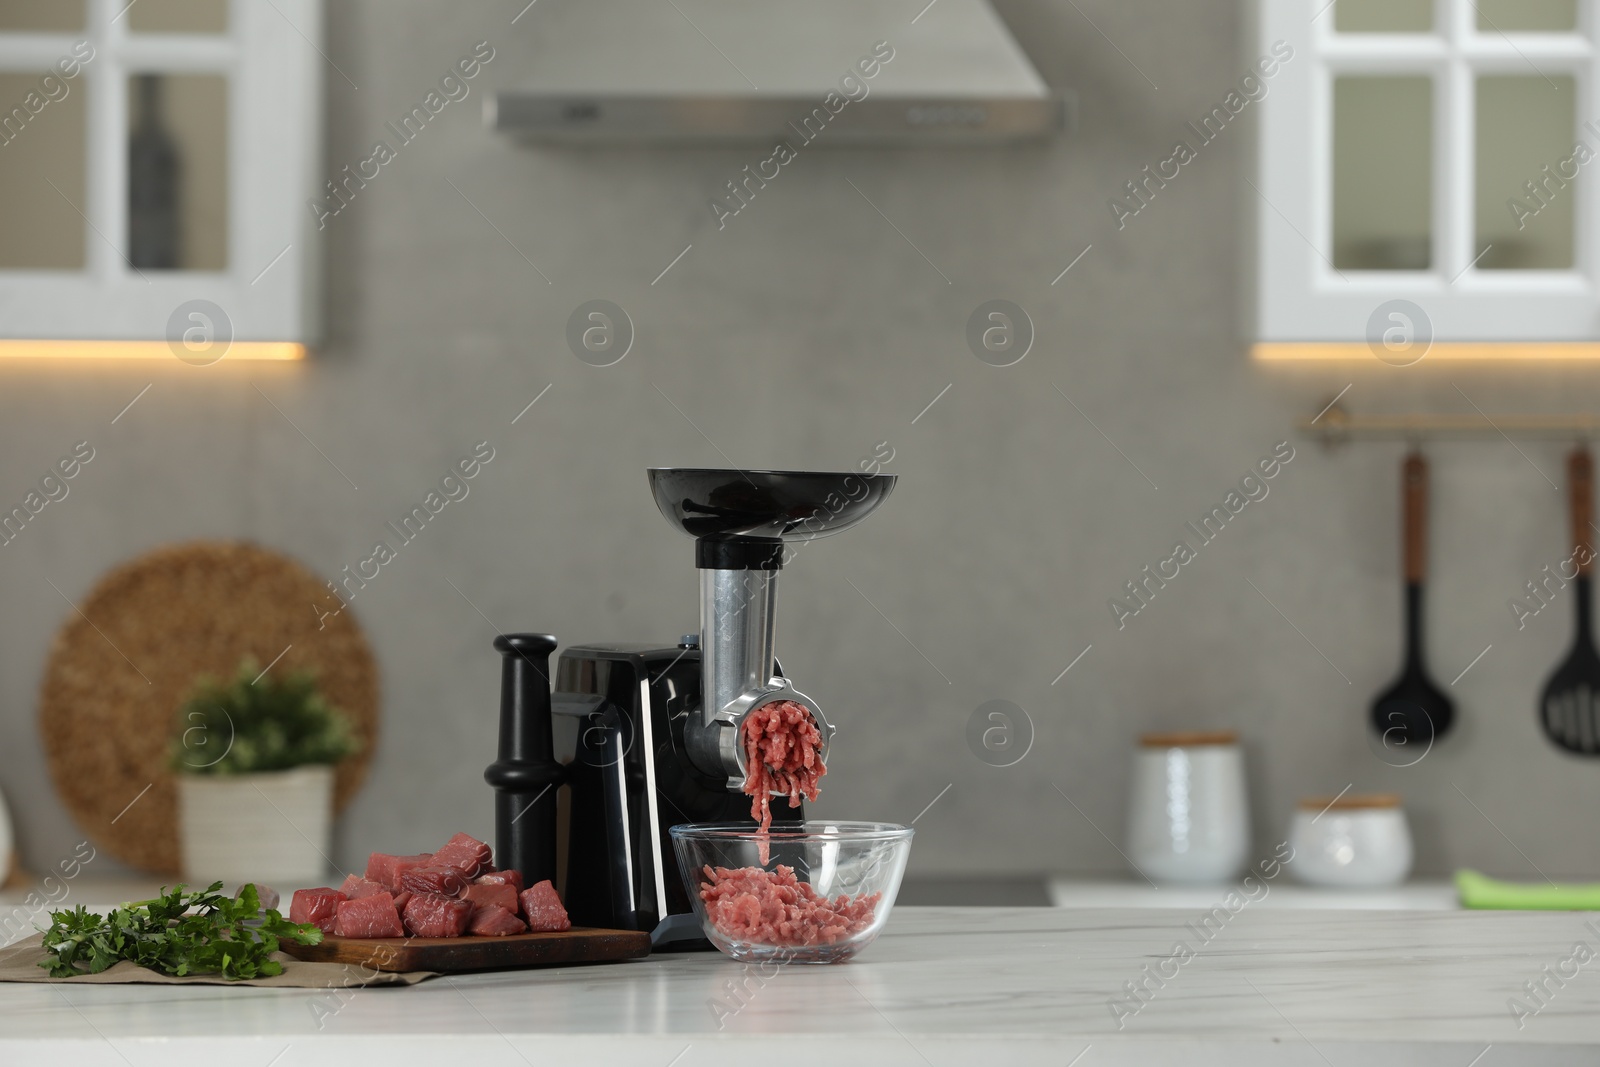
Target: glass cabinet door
1525,172
1383,16
42,16
1433,152
178,171
1527,16
43,172
1383,173
158,154
179,16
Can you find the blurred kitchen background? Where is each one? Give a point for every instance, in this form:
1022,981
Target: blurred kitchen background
824,324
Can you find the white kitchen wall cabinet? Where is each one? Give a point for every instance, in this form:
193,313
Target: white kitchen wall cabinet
156,160
1436,153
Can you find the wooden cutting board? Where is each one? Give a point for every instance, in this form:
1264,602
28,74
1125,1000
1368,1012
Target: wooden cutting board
448,954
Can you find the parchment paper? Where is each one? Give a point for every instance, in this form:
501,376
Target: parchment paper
20,963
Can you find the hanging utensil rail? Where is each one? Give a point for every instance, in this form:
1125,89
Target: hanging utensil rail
1336,425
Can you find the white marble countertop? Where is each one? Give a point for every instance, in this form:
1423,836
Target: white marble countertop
1424,895
941,986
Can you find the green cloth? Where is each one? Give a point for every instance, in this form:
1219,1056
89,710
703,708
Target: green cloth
1480,891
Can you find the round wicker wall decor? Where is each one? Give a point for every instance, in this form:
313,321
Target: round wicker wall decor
124,662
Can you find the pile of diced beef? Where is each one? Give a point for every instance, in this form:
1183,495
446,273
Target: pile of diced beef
453,892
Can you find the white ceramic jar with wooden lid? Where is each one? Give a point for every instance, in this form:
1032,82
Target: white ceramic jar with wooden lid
1357,840
1189,821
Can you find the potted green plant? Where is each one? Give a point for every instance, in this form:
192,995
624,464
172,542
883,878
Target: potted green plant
254,758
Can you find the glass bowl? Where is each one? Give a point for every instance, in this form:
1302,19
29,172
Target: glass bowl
820,894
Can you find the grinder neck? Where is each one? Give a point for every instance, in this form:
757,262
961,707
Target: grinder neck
738,615
738,668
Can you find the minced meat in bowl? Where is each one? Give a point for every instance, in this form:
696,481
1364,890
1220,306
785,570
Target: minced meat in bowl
807,892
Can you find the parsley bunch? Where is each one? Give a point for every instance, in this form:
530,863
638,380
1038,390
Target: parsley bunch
177,934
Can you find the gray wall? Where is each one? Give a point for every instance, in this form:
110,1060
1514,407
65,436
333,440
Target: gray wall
801,336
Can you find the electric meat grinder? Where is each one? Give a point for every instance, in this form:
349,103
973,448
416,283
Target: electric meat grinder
647,737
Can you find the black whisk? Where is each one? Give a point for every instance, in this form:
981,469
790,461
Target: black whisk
1570,707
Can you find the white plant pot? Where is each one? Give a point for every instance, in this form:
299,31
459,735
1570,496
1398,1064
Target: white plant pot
273,828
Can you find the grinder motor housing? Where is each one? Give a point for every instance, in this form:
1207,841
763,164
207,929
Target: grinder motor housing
651,736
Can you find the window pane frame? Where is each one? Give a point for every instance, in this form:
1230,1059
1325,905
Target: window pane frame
271,58
1300,297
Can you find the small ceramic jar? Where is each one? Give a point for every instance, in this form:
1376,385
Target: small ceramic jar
1354,841
1189,823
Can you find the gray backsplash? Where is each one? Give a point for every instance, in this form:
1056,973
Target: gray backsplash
802,335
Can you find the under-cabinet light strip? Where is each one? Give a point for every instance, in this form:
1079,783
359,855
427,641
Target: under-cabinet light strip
1439,352
1336,424
276,351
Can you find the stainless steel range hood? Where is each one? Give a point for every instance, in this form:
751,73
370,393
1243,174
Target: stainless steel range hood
729,71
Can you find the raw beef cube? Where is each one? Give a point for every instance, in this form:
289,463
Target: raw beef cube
316,906
372,916
356,886
495,921
401,899
510,878
542,908
386,869
444,881
466,853
429,915
484,896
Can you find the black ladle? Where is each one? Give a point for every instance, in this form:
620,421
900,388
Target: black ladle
1569,709
1413,712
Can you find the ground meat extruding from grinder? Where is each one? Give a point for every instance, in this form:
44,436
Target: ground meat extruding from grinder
783,753
782,749
774,908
